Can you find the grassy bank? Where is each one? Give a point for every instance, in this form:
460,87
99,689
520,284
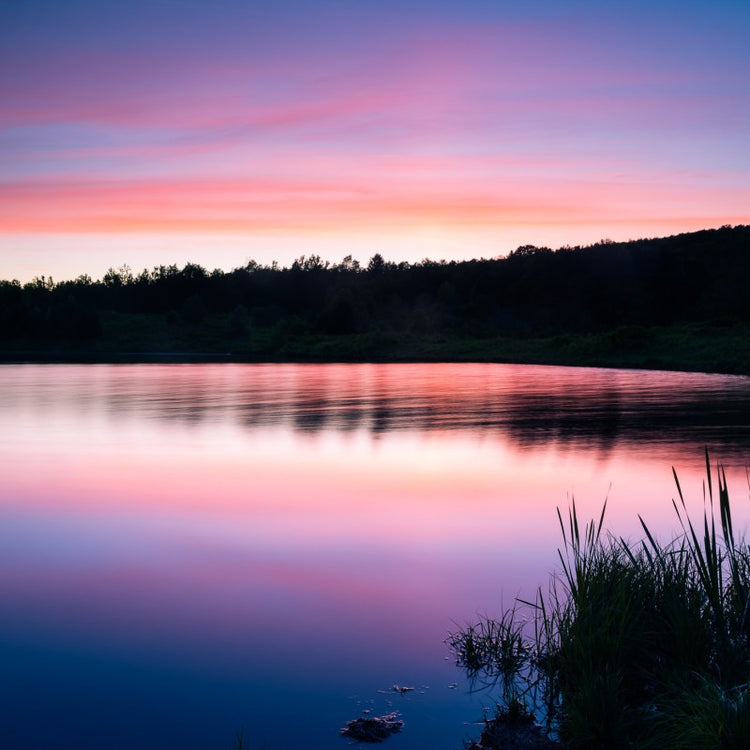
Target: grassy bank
643,645
715,347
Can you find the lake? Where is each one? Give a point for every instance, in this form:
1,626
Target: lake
188,552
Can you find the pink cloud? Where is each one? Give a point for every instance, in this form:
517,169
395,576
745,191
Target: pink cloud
453,71
455,125
433,190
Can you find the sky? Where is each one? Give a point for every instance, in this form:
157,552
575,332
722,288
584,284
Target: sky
166,131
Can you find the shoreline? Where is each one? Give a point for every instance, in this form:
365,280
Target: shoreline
699,347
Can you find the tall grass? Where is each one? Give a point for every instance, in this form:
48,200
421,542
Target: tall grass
643,645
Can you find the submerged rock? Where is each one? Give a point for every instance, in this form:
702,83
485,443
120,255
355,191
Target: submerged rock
373,728
504,733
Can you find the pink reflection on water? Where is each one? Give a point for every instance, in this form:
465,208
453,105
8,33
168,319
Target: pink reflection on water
217,508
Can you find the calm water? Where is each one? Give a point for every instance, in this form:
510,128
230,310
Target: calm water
190,551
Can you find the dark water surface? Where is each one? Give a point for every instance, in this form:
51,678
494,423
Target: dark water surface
191,551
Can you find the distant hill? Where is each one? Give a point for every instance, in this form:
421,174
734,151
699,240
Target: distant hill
606,303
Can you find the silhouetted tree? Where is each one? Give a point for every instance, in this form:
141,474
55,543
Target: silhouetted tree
700,276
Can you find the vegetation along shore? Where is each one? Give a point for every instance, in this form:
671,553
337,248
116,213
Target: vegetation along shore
634,645
670,303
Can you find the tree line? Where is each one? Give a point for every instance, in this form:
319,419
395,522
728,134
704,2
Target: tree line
534,291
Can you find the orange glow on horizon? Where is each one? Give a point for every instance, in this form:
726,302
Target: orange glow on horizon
337,206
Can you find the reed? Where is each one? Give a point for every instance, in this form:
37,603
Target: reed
640,644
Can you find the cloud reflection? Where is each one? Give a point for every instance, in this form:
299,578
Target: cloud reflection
277,524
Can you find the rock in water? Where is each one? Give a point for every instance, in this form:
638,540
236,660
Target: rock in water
373,728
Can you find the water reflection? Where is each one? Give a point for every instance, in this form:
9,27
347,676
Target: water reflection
246,538
571,408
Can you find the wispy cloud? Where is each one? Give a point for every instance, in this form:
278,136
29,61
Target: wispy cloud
304,117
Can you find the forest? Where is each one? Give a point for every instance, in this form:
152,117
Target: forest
678,301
